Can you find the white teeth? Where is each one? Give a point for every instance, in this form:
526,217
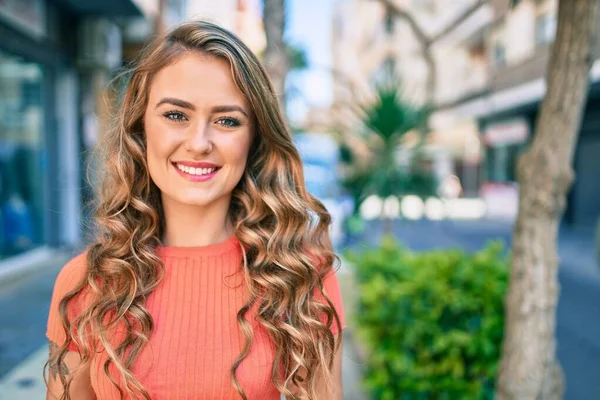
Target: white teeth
195,171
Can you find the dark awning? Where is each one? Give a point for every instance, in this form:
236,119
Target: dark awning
103,8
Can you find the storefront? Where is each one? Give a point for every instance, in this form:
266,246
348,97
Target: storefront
23,113
42,119
507,136
21,154
504,141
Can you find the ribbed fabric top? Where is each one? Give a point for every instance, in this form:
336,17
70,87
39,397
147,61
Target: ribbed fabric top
196,336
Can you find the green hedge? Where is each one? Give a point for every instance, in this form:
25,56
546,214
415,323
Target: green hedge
432,322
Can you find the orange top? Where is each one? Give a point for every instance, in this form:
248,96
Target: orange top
196,337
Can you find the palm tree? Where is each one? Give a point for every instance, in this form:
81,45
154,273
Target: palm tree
387,121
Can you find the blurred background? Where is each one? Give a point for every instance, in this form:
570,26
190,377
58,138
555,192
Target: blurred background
410,116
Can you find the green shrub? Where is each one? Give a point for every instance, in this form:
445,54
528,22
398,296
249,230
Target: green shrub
432,322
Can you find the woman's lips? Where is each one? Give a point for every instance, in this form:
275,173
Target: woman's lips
194,174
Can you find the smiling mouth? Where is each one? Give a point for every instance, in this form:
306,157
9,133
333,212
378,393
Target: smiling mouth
195,171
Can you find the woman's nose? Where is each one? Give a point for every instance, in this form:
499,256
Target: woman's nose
199,140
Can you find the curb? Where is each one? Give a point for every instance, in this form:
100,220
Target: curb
17,267
22,264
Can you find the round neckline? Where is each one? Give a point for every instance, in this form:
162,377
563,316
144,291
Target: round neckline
195,251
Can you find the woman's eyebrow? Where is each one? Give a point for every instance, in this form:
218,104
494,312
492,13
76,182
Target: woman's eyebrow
228,108
186,104
176,102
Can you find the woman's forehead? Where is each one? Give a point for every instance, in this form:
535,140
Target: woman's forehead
199,79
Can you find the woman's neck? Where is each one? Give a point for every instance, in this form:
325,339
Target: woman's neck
194,226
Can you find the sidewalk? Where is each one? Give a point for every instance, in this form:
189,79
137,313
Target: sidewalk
352,366
20,266
26,382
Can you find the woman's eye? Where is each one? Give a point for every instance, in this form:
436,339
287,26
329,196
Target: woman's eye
175,116
229,122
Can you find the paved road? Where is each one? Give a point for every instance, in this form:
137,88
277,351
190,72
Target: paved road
24,306
578,314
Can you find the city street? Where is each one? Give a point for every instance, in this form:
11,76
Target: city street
24,304
450,116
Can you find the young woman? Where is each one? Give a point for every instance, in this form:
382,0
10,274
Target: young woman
212,275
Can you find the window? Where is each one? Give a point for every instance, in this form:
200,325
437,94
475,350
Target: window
502,160
389,21
496,46
499,54
545,28
21,154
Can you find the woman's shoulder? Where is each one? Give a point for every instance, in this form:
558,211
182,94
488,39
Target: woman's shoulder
68,279
72,273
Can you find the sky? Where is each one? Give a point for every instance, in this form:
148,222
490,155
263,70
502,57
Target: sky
309,24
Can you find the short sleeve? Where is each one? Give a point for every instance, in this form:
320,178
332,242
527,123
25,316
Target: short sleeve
68,278
331,287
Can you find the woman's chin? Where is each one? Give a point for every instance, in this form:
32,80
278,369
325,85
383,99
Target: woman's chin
185,198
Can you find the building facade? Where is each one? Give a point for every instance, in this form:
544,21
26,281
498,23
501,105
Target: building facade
515,48
490,81
49,52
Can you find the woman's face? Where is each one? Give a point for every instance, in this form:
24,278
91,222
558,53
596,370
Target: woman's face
198,130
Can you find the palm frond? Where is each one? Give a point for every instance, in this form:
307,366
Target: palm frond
389,116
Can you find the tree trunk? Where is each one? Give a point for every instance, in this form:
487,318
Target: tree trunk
529,369
159,22
275,56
